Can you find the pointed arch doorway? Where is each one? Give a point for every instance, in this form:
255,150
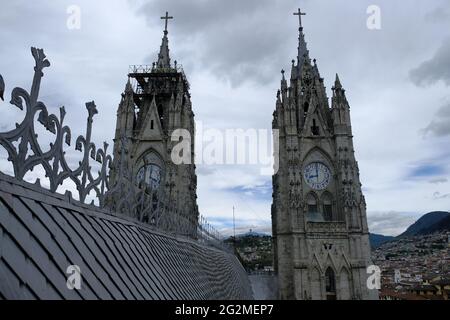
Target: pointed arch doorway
330,284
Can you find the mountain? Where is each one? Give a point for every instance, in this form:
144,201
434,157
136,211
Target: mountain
252,233
428,223
377,240
441,225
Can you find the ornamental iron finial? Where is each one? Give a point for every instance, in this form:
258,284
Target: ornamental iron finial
29,153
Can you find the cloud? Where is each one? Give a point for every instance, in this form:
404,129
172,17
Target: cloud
438,180
391,223
202,170
437,195
237,177
263,191
225,225
235,40
438,14
437,68
440,125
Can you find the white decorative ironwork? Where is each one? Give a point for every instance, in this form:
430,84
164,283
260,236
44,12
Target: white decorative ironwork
115,185
53,161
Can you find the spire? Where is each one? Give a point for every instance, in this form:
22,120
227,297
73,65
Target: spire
163,57
293,70
128,87
340,109
283,81
303,52
125,112
339,98
337,83
127,97
316,69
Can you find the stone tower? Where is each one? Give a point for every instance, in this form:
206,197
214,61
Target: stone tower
319,225
150,115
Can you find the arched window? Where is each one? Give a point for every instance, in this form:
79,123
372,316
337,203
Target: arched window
315,129
330,284
327,204
305,107
313,212
312,204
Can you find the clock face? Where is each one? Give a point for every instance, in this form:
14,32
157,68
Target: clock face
317,175
151,175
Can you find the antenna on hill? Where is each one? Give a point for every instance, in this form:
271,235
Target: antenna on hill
234,231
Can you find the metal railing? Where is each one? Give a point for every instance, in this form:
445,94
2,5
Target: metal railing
207,234
143,68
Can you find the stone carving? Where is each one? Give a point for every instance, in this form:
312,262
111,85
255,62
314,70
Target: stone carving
348,198
295,195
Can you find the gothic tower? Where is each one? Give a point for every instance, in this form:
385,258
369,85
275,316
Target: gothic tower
319,224
149,116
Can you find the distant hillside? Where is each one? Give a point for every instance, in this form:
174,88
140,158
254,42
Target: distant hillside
253,238
441,225
253,249
251,234
377,240
428,223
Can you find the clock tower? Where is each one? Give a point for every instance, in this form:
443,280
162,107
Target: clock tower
319,224
155,105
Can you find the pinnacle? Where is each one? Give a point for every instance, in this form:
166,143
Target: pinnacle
303,53
128,87
337,83
163,57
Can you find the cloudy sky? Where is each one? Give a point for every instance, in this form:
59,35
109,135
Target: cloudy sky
397,80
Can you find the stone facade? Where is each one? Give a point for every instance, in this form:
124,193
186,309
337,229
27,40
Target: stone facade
320,234
150,111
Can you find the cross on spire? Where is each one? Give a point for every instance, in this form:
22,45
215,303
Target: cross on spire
166,17
163,57
299,13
